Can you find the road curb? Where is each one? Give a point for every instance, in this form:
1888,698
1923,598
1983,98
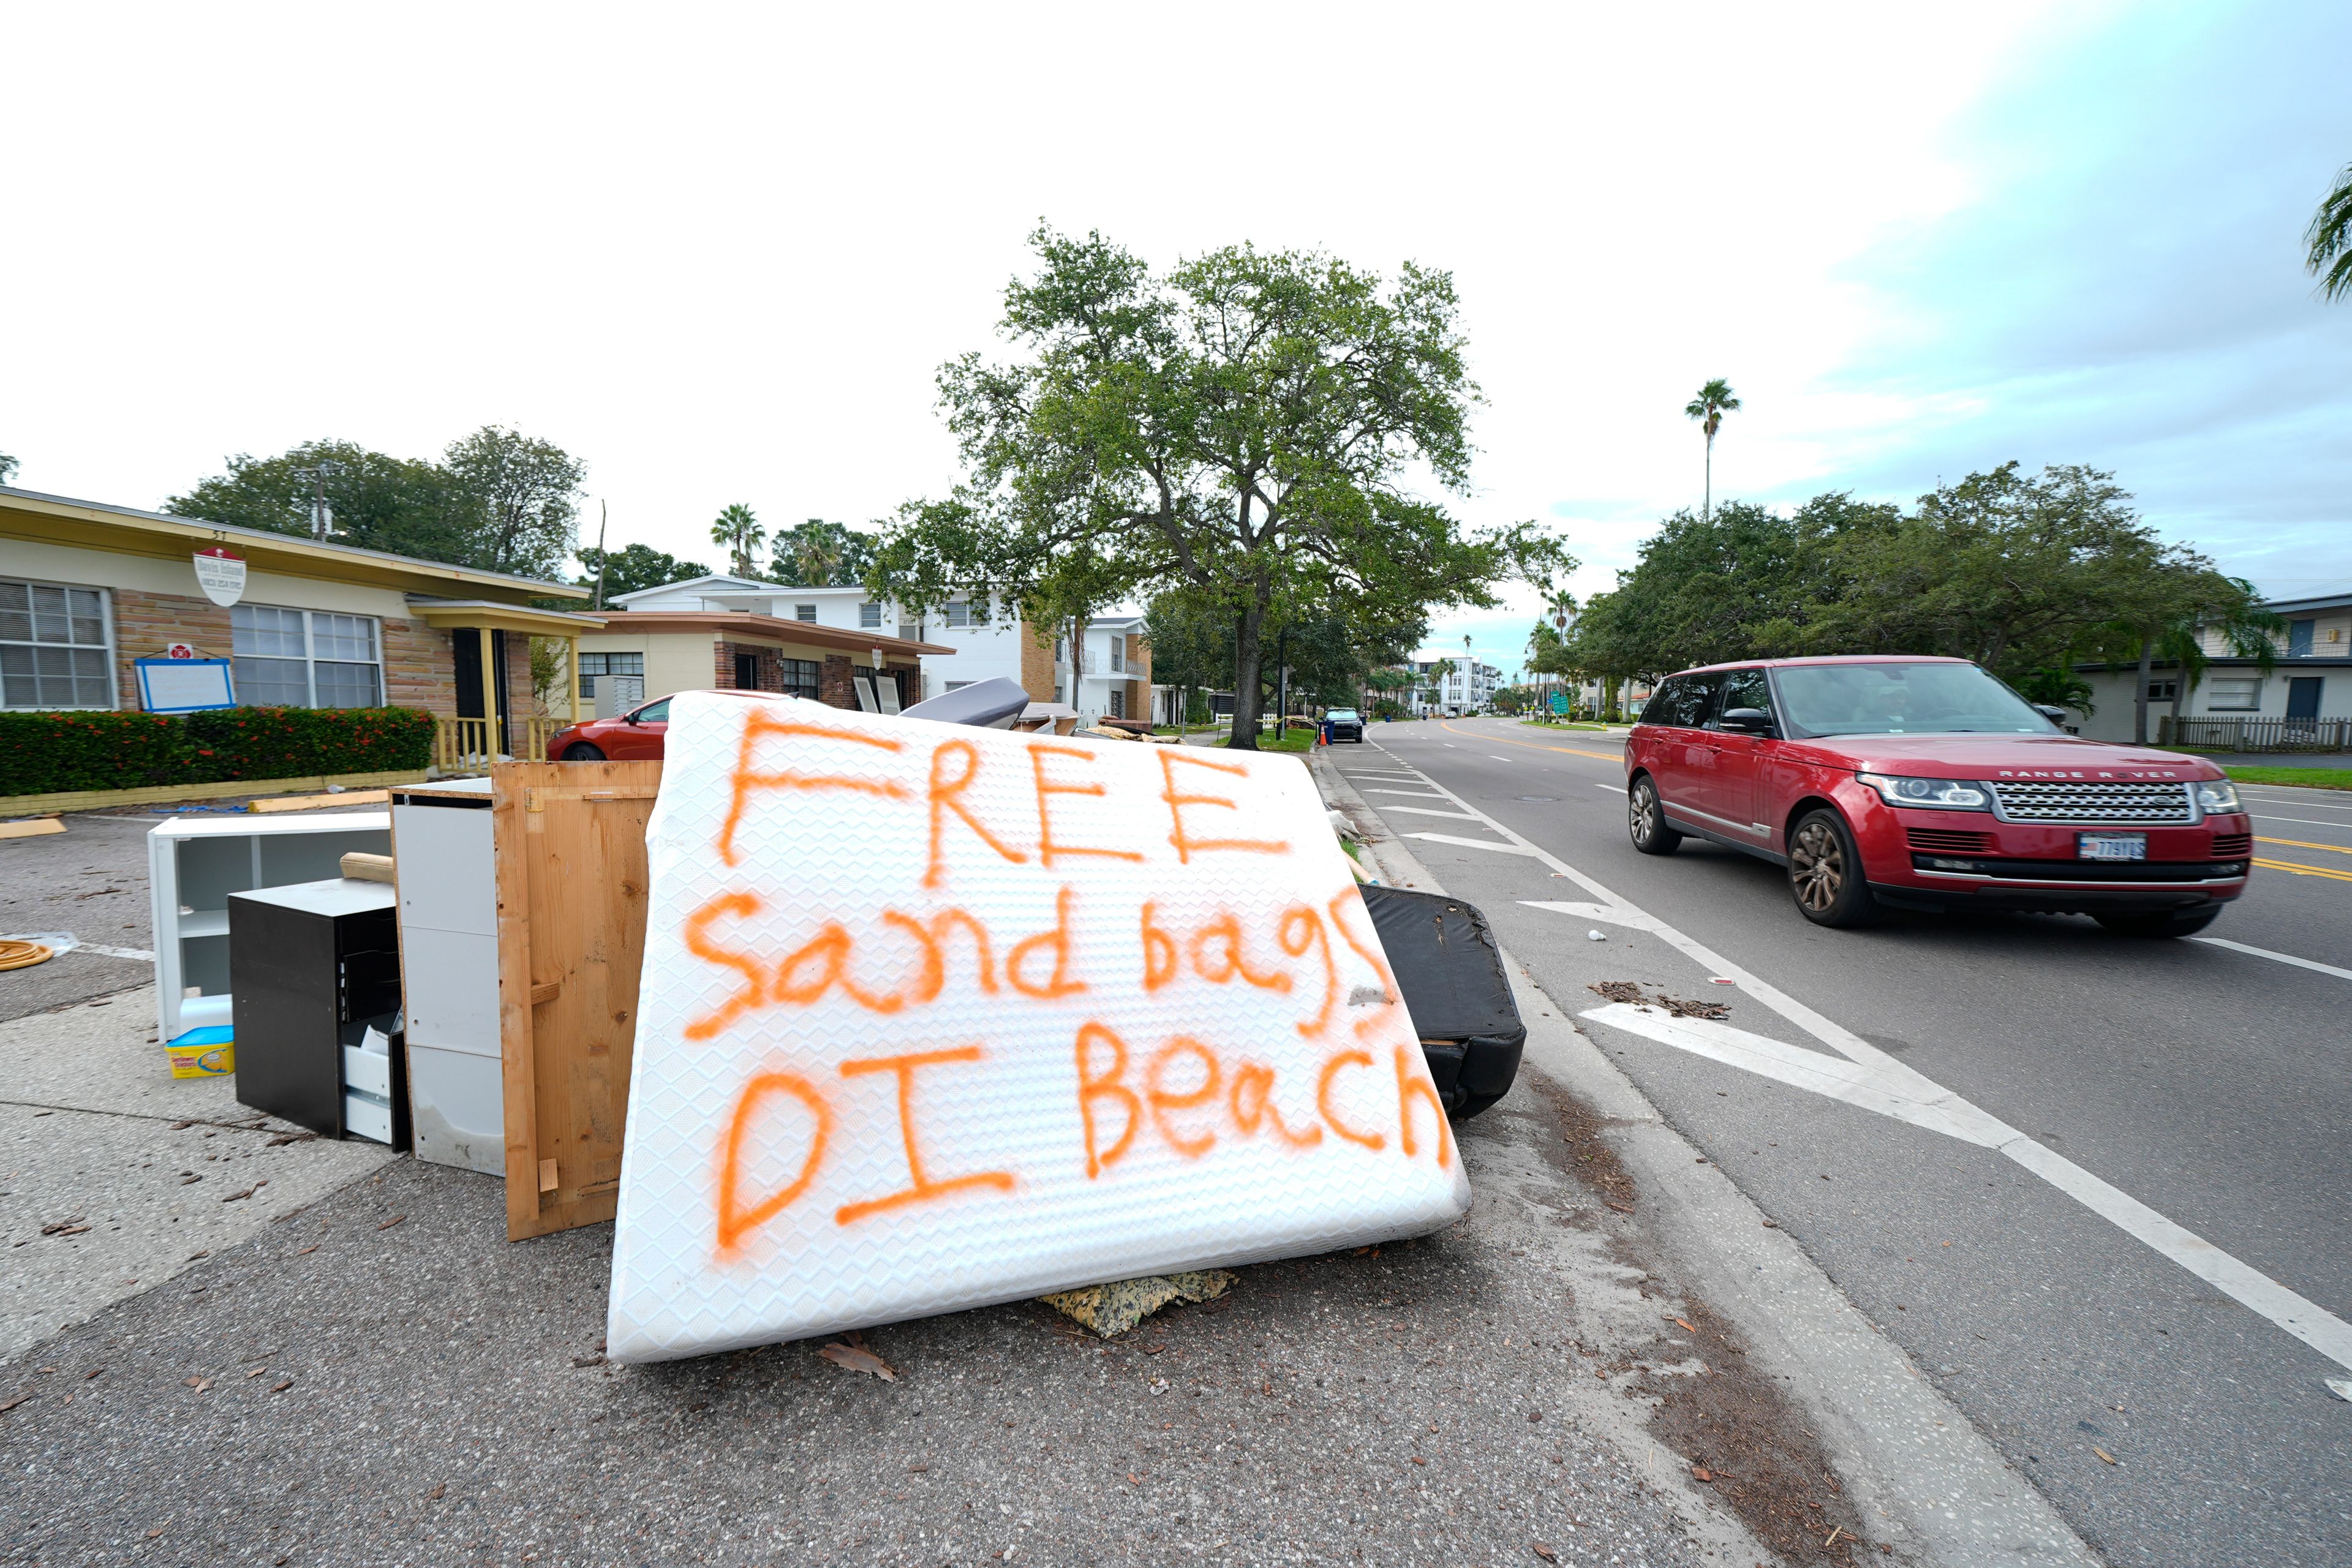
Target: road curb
1941,1492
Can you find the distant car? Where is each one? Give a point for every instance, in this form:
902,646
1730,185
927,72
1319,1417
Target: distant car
633,737
1926,784
1343,725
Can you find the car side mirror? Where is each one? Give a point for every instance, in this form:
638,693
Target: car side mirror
628,718
2051,711
1746,721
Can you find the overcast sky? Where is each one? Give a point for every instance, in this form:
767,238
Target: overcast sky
720,253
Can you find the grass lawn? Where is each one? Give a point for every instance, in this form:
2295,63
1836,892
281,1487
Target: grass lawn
2310,778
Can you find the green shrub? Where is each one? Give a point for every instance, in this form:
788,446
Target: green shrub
43,753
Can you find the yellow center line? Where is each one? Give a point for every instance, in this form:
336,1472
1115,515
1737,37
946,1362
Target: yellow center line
2305,844
1530,745
2305,870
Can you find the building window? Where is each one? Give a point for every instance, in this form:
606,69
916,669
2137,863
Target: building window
2162,690
305,659
55,647
2234,696
593,665
869,617
799,678
957,685
957,614
803,612
1119,702
1117,655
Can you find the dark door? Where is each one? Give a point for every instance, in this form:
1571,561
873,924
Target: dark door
465,644
747,671
2303,696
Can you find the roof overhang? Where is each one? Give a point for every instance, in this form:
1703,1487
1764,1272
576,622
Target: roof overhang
451,613
58,519
743,627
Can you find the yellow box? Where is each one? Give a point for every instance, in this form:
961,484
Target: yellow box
193,1056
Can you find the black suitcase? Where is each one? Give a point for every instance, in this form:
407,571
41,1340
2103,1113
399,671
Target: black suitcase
1450,970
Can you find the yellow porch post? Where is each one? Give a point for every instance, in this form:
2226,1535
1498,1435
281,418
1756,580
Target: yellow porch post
489,698
572,654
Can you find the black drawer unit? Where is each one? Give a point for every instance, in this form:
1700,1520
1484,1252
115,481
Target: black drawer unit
311,965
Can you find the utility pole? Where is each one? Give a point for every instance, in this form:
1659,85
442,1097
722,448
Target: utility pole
602,516
322,516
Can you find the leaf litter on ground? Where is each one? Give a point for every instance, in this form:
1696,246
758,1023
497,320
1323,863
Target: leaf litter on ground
850,1353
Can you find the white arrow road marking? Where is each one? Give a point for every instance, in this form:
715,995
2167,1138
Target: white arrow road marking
1884,1075
1615,914
2266,952
1477,843
1890,1088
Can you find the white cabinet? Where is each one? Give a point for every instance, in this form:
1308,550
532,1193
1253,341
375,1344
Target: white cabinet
193,867
448,907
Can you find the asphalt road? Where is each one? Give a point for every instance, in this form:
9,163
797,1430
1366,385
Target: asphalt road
2169,1423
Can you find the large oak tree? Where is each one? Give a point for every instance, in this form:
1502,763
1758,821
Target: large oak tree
1253,429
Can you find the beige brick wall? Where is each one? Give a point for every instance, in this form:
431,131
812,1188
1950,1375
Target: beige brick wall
1037,663
419,670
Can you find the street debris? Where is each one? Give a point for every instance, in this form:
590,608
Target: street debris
1111,1310
1594,936
2340,1386
1630,991
854,1356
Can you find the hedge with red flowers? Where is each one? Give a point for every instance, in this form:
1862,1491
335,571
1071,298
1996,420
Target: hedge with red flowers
41,753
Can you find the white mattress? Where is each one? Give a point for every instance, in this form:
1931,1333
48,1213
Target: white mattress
769,1188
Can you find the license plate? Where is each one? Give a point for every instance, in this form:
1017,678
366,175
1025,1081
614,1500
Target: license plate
2111,846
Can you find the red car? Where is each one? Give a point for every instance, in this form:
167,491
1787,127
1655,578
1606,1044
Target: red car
633,737
1926,784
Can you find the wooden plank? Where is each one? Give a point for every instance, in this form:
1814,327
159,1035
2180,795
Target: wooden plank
572,863
363,867
32,827
319,801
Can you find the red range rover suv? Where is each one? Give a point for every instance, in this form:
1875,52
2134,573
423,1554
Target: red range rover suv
1926,784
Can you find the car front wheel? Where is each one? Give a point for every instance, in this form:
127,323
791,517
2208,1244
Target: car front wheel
1645,820
581,751
1825,873
2183,923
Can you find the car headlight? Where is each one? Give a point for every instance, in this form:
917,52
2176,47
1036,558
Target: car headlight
1950,794
2218,798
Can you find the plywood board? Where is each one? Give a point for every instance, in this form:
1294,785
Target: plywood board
570,845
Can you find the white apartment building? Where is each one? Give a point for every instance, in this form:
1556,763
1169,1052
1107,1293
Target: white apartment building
1468,688
1110,679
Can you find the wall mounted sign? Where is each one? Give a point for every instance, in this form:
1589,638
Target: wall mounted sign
171,684
221,575
180,650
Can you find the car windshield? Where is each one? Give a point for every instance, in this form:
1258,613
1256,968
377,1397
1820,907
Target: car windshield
1902,700
1340,713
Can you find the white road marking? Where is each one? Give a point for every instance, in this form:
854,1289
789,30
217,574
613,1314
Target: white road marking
1474,843
2325,1332
62,943
1408,793
1907,1095
2275,957
1611,913
1424,811
2313,821
1614,789
2298,800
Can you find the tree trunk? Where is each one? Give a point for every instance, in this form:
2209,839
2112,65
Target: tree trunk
1248,704
2139,696
2180,697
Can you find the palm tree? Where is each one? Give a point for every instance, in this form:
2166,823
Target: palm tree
739,529
2330,237
1715,400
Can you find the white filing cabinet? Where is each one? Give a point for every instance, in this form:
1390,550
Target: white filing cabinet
196,865
449,966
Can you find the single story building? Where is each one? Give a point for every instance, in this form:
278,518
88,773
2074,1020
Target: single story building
649,654
88,589
963,641
2303,703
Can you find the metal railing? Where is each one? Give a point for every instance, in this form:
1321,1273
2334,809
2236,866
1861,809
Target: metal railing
2256,734
465,745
